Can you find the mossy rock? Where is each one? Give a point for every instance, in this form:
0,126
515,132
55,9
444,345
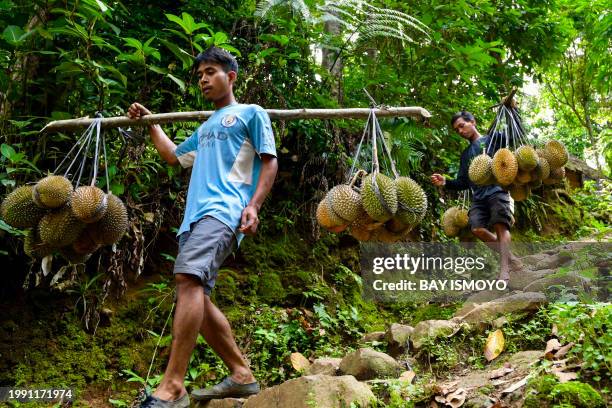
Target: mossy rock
226,287
577,394
271,288
538,391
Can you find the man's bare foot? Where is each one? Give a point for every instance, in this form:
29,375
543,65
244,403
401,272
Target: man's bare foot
243,377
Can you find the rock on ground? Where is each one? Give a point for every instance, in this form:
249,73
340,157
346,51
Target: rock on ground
489,311
314,391
430,329
324,365
367,364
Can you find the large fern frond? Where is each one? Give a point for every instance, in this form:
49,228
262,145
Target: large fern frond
265,7
369,21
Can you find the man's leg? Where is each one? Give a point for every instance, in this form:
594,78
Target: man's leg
187,321
503,239
218,334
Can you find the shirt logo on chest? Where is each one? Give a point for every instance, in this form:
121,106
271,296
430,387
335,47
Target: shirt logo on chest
228,121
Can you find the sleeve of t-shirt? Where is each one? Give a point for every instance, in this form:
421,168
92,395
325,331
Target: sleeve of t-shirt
260,132
186,151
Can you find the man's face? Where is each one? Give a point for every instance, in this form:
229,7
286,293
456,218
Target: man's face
466,129
213,81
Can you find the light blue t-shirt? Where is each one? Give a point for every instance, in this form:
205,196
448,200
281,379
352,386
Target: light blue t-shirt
225,152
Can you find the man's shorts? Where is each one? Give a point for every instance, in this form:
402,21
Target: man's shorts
203,249
495,209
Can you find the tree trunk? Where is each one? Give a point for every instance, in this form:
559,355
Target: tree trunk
332,60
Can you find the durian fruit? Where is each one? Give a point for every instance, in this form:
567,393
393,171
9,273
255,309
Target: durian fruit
34,247
545,154
361,229
448,222
412,201
81,249
52,192
112,225
519,192
18,209
392,231
556,176
542,170
88,203
523,177
59,228
379,199
557,154
480,170
527,158
504,166
461,218
85,244
326,216
345,202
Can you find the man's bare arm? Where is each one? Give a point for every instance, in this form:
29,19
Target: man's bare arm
162,142
250,220
269,167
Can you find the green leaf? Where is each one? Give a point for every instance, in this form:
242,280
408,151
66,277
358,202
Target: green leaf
219,38
12,34
132,42
7,151
181,54
231,49
179,82
157,70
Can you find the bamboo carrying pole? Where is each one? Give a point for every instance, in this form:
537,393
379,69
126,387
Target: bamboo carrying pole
275,114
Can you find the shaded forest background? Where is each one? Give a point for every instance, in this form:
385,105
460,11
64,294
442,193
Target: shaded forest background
68,59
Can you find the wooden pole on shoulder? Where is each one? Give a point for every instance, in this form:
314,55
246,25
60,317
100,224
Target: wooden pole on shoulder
275,114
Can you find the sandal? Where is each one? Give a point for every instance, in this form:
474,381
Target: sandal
226,389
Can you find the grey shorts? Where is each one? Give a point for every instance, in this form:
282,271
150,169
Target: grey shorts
203,249
495,209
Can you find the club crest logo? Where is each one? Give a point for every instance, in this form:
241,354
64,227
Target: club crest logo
229,121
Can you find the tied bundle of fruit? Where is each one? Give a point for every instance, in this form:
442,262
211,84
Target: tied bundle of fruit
454,220
520,172
537,167
382,209
75,222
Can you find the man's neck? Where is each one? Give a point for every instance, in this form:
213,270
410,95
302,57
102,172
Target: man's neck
475,137
225,101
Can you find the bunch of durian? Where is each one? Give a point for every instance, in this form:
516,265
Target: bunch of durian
75,222
382,209
522,170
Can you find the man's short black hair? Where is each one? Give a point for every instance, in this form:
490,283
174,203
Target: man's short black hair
465,115
218,56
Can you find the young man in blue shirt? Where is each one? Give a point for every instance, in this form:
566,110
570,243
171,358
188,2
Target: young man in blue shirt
491,205
233,157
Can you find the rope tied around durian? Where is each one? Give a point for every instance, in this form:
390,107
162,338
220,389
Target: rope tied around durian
81,149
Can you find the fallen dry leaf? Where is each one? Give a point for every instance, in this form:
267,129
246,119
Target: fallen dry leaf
407,376
299,362
457,398
564,350
500,372
565,377
552,345
494,345
555,330
515,386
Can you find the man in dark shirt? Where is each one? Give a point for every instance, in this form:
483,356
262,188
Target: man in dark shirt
491,205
